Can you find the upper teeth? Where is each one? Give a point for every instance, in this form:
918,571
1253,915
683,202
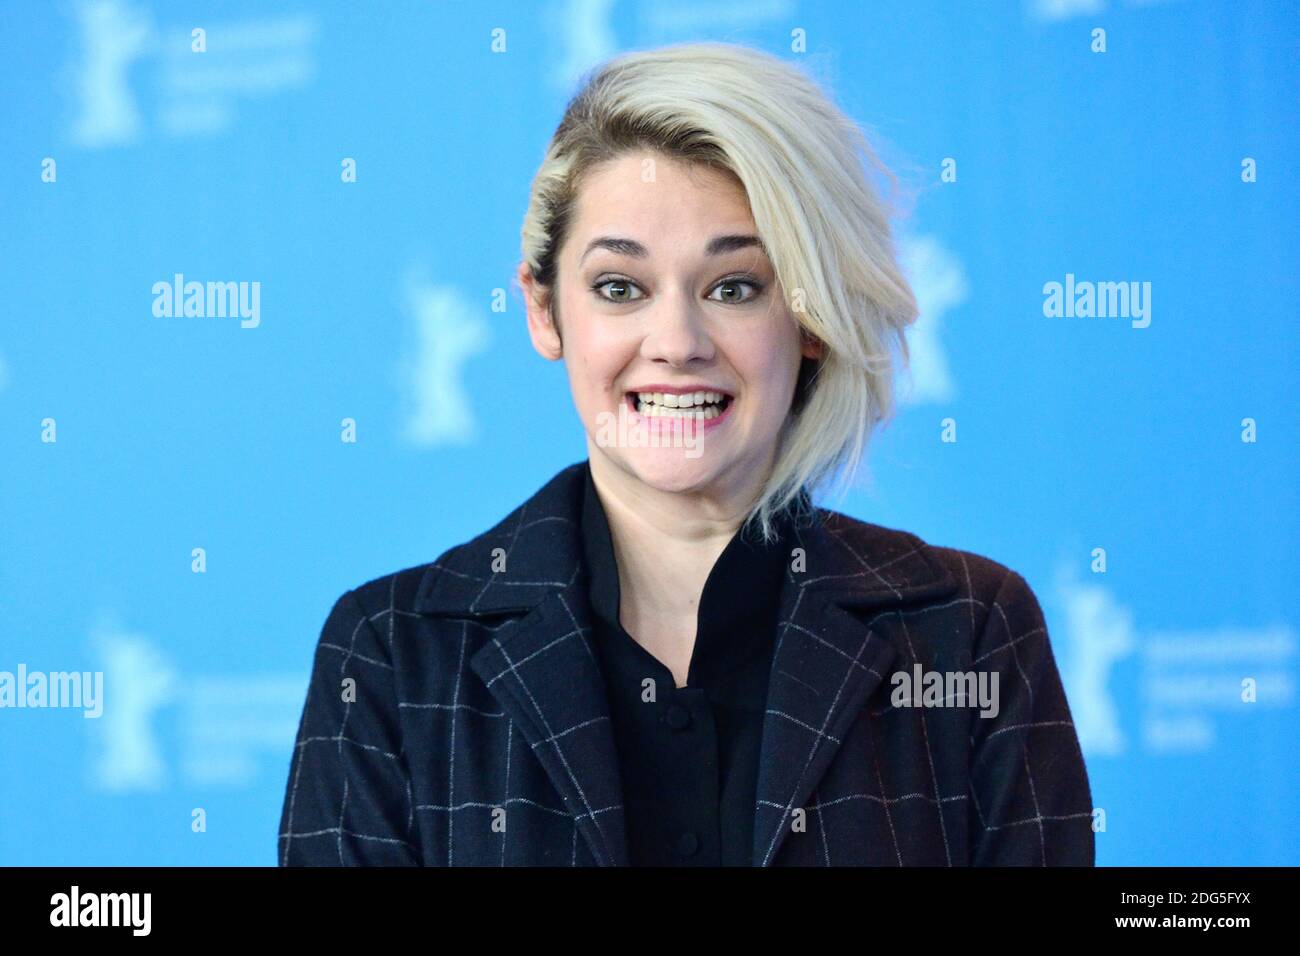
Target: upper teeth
685,400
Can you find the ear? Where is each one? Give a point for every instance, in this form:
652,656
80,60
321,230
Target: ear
810,346
546,340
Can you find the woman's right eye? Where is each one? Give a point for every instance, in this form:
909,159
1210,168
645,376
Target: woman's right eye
621,290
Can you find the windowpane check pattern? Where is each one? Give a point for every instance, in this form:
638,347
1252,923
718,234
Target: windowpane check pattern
457,715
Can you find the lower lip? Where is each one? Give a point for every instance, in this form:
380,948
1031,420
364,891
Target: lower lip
661,422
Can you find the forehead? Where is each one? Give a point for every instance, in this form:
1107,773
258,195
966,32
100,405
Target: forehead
648,196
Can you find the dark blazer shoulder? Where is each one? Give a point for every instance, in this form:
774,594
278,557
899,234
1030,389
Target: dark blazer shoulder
534,537
991,584
1003,622
902,557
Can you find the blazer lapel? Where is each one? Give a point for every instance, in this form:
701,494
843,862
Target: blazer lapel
539,665
827,661
543,672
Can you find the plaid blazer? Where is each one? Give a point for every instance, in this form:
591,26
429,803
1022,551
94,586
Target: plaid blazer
456,714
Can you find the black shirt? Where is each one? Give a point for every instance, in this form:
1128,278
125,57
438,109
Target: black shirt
688,756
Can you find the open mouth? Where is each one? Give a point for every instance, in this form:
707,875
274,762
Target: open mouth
700,406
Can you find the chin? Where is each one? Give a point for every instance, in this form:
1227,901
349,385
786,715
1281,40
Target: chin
669,470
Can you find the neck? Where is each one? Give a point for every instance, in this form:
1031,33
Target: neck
665,544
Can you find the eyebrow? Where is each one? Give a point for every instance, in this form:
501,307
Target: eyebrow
718,245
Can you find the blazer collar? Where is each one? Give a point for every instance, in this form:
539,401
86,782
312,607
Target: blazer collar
541,667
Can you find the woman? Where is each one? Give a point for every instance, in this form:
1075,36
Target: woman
668,655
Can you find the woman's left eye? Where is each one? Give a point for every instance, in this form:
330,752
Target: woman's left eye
734,297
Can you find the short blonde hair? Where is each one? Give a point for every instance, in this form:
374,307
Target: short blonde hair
825,229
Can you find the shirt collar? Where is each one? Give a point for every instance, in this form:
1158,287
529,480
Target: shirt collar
738,607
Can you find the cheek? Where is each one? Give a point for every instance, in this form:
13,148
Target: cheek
597,358
601,365
770,369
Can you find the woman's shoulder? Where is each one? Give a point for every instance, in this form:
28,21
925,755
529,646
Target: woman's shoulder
946,600
901,558
534,545
410,590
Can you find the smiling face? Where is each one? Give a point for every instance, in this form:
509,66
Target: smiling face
663,289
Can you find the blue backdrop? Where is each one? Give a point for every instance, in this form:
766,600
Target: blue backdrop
1161,152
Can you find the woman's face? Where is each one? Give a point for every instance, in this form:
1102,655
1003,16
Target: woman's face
662,287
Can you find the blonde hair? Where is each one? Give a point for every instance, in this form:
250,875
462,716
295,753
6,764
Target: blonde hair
827,233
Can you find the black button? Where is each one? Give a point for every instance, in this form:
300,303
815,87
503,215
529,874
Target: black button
687,844
678,717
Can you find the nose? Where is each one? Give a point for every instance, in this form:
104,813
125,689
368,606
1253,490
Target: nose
676,332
